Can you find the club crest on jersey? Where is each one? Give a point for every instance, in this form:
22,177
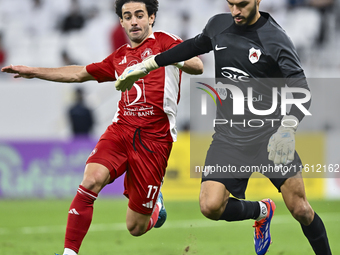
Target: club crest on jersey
147,53
254,55
93,152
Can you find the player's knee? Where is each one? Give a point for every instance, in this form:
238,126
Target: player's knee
93,181
90,182
96,176
211,209
136,230
303,213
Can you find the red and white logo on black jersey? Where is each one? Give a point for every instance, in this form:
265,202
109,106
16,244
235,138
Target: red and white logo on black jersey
147,53
254,55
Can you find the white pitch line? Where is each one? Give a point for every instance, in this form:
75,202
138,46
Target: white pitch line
42,229
203,223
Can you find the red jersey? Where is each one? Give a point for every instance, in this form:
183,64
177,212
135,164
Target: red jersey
151,104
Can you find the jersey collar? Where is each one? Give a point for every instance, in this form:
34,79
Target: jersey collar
152,36
259,23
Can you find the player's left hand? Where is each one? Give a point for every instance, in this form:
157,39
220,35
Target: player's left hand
134,73
281,146
20,71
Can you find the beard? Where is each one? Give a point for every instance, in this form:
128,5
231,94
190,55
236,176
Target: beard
141,37
250,17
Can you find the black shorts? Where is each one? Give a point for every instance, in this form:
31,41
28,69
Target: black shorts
233,166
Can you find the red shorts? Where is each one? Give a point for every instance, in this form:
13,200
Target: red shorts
144,169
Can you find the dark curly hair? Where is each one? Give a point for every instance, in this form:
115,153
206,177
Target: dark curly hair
151,6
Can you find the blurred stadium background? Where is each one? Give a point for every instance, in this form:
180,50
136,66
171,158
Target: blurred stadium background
41,164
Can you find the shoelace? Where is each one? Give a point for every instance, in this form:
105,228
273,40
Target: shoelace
257,226
140,140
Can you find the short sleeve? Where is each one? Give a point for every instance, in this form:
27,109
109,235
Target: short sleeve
103,71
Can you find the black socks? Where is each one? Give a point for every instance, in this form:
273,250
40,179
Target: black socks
317,237
237,210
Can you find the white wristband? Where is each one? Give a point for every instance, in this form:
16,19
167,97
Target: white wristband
180,64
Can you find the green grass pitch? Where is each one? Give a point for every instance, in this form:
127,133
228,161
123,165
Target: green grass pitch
36,227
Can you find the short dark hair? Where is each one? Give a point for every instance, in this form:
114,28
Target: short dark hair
151,6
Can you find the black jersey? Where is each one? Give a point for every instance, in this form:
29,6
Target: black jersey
259,57
273,53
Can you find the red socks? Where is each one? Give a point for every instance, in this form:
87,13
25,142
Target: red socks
79,218
153,219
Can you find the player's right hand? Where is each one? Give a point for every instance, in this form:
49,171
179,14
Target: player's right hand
281,146
20,71
133,73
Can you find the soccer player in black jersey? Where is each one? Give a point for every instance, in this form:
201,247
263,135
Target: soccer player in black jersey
251,51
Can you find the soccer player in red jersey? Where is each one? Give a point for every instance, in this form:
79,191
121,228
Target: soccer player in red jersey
139,140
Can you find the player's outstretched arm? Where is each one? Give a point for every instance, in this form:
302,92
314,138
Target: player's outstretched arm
60,74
